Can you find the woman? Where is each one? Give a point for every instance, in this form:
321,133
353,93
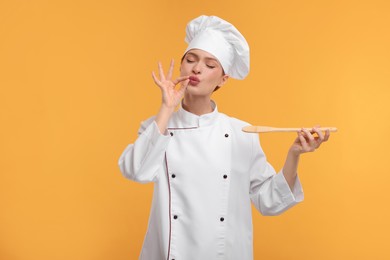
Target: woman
205,169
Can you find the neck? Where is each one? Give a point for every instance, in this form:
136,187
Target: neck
197,106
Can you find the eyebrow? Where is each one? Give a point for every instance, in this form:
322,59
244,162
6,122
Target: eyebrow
197,56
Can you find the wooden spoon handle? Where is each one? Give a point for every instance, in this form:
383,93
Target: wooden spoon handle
269,129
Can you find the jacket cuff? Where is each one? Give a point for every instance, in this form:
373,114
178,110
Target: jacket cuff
154,135
289,197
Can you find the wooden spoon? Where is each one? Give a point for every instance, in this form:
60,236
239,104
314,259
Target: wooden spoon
269,129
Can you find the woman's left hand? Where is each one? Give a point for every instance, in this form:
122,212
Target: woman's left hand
307,142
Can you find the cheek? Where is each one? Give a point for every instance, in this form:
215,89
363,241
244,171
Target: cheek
216,76
183,70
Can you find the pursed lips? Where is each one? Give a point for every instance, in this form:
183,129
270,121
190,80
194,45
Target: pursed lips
194,80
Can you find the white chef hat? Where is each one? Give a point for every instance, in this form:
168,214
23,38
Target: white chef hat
221,39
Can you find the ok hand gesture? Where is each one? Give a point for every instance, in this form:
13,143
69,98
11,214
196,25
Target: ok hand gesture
171,96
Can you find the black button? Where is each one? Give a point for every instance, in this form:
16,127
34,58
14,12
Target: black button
175,217
221,219
173,176
225,176
171,133
226,135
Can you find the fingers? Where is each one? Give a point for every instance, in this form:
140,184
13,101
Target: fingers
175,82
304,145
327,135
320,137
161,71
183,87
180,79
318,132
168,77
310,140
155,79
170,71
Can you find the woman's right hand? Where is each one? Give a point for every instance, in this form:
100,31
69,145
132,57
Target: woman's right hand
171,96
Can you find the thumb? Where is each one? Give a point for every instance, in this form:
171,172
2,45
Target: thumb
184,86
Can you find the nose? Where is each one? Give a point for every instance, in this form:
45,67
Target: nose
196,68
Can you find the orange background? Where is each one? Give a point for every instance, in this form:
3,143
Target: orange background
75,84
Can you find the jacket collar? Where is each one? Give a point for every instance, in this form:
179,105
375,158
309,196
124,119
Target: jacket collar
190,120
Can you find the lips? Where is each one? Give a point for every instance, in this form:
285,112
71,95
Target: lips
194,80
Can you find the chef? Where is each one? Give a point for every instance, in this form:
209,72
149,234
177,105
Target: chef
206,171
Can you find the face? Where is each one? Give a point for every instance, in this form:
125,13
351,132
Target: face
206,70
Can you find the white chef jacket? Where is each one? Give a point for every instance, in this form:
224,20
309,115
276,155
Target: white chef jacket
206,171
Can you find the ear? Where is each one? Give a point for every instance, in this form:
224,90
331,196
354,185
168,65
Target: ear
223,80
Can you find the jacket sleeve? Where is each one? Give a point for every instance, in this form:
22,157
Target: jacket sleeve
142,161
269,191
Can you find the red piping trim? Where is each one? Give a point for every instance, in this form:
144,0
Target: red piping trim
185,128
170,216
169,190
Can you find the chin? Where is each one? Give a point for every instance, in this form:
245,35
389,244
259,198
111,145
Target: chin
195,91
